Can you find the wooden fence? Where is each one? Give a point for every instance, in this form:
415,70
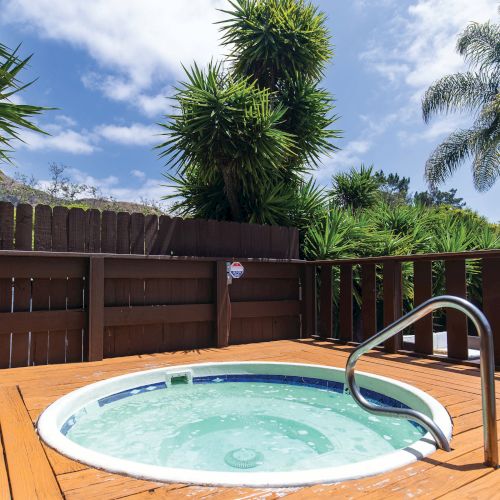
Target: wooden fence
60,229
379,288
67,307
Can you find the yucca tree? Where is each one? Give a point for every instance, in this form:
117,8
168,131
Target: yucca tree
225,128
279,49
476,91
13,117
355,189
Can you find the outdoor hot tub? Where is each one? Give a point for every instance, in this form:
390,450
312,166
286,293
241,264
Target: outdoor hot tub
252,424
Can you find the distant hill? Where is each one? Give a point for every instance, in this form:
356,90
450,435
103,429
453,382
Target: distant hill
25,190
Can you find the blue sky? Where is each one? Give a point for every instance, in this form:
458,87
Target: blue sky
109,64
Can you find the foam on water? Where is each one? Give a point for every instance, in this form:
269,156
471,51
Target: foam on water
240,426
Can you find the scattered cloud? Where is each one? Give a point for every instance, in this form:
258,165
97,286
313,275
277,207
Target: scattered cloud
135,49
435,130
415,48
63,136
349,156
136,134
418,47
68,141
138,173
66,121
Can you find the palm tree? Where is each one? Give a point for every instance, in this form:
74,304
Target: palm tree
13,116
476,90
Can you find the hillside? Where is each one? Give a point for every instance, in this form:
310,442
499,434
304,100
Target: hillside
25,190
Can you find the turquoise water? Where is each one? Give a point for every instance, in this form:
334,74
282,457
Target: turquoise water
240,426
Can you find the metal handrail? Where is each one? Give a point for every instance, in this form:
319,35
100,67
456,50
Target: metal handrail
487,369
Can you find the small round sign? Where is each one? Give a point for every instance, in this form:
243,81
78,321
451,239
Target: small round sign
236,270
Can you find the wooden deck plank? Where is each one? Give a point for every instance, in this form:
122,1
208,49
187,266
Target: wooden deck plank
30,474
456,386
4,479
484,487
94,483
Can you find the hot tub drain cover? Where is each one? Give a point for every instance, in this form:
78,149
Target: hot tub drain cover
243,458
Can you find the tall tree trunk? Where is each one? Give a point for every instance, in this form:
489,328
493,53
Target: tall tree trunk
231,188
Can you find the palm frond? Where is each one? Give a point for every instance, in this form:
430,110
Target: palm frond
480,45
14,117
448,156
486,167
459,92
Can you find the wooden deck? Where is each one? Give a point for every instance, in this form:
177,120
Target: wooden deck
30,470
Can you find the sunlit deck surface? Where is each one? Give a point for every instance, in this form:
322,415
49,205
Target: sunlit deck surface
31,470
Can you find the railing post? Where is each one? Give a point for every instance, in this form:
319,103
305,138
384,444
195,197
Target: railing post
326,306
368,300
346,310
456,323
491,300
223,304
308,301
96,309
393,301
422,278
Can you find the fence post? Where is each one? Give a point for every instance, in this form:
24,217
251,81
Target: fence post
96,309
308,301
346,307
368,300
491,300
456,321
223,304
326,305
422,279
393,301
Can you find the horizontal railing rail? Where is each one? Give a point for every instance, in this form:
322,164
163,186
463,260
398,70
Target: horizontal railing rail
472,254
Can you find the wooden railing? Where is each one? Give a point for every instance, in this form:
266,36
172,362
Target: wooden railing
64,307
379,291
67,307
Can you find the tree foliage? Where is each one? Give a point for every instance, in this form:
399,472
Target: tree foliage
475,91
243,134
356,189
13,116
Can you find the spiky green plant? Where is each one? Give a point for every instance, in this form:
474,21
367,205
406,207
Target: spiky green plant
356,189
14,117
226,127
475,91
275,40
300,116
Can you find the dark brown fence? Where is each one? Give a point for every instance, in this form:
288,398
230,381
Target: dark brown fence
76,307
378,285
60,229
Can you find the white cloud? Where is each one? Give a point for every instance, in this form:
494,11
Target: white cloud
435,130
63,137
138,173
66,121
136,46
349,156
153,105
136,134
68,141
